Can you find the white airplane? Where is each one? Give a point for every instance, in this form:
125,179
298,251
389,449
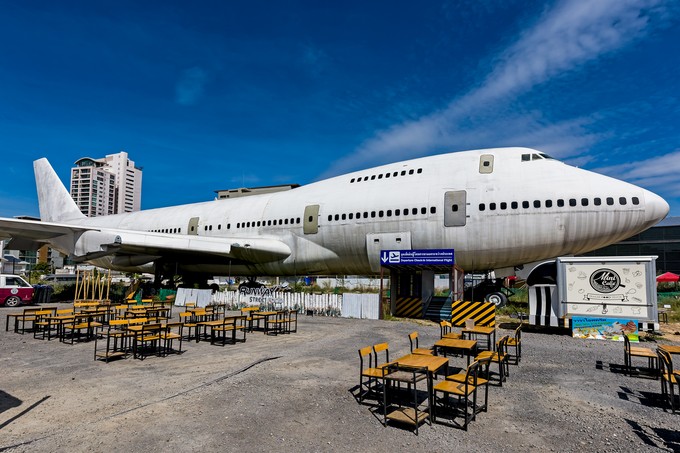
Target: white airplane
497,208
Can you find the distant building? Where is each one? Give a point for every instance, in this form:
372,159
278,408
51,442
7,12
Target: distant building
661,240
105,186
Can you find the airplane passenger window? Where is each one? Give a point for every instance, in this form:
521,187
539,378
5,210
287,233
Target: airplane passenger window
406,211
372,177
365,178
344,217
504,205
636,201
397,212
238,225
414,211
610,201
572,202
337,217
381,213
492,206
219,227
482,206
560,203
548,203
258,223
420,170
380,176
228,227
395,174
423,210
372,214
454,208
433,210
584,202
205,228
410,172
525,204
537,203
351,215
365,215
351,180
389,213
330,218
358,215
297,220
622,201
286,221
387,175
597,201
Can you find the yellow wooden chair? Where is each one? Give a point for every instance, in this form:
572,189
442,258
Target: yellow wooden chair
465,391
515,342
670,378
413,340
499,357
370,377
637,351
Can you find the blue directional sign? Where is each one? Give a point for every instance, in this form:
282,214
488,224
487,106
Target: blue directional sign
417,257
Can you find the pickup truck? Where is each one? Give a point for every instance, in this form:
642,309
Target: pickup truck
14,290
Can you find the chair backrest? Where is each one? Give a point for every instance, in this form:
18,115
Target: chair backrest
363,353
503,344
471,374
518,333
665,362
444,328
626,343
133,321
379,348
65,311
413,338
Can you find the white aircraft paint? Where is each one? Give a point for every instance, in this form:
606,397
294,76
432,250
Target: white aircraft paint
497,208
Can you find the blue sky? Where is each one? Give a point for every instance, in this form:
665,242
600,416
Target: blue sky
215,95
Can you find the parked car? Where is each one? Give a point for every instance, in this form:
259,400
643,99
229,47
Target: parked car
14,290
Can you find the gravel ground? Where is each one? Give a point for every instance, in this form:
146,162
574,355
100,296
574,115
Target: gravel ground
296,393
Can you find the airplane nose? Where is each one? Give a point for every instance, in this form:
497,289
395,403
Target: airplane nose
656,208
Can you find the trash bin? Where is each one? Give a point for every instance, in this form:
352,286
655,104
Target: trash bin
42,294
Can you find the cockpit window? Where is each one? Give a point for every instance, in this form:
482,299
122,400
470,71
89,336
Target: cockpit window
535,156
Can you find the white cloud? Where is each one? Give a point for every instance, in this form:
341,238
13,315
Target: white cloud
190,86
572,33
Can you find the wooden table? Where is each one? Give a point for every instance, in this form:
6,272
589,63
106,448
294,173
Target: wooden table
263,315
481,330
456,346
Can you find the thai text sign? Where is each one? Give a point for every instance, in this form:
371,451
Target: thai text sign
417,257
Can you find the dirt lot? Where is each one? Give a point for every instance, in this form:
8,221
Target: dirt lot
296,393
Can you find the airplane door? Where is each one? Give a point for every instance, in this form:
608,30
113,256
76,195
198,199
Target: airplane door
454,208
375,242
311,221
193,226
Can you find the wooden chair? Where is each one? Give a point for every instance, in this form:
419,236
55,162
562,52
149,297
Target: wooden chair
170,332
248,313
370,377
81,322
499,357
670,378
466,392
413,340
187,319
483,370
147,341
276,324
636,351
230,324
291,326
402,409
516,343
445,331
27,317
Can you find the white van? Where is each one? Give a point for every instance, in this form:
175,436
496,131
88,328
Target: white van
14,290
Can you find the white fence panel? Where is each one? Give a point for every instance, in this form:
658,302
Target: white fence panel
202,297
364,306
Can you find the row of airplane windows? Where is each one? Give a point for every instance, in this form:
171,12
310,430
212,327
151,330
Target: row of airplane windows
623,201
259,223
386,175
380,214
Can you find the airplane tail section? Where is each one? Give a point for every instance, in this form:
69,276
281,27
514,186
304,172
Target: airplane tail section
56,204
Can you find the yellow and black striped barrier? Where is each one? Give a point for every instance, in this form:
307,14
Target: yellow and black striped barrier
484,313
409,307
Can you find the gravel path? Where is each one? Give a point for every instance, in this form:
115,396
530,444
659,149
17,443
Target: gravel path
295,393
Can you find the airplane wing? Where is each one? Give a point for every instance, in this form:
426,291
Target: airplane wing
93,242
